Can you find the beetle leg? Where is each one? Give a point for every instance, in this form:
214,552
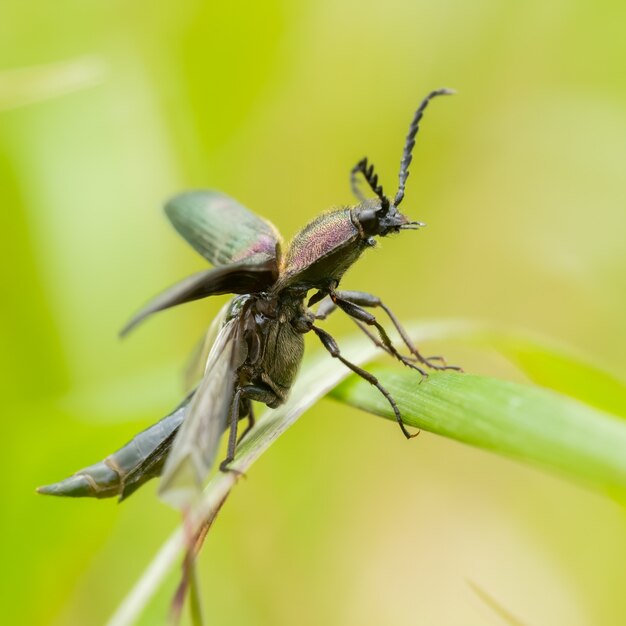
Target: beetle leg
259,393
357,313
326,307
320,294
369,300
331,345
251,421
374,339
232,433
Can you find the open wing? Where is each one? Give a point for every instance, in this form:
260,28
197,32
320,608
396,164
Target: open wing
245,248
222,230
237,278
195,447
195,367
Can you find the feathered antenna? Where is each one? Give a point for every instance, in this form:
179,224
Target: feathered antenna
367,169
407,155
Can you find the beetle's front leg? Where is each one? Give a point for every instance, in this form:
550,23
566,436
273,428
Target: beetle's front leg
361,316
327,307
361,298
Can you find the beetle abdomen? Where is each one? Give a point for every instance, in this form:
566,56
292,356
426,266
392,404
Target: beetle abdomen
284,350
116,475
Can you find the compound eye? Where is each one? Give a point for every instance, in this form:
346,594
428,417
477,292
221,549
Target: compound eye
369,221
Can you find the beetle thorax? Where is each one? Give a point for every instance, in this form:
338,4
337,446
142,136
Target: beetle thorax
322,251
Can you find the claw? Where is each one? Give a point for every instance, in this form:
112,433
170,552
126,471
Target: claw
441,368
428,362
409,362
224,468
436,358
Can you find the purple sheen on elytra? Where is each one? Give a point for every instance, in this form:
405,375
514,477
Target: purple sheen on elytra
321,237
222,230
263,249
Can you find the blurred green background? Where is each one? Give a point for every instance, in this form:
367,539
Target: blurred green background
108,108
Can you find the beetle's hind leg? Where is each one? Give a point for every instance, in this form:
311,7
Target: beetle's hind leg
360,299
331,345
249,413
244,395
232,432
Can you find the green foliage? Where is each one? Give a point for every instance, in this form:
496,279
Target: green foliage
524,422
548,363
107,109
519,421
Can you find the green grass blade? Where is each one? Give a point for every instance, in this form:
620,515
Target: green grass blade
495,606
524,422
519,421
319,375
557,367
545,361
195,602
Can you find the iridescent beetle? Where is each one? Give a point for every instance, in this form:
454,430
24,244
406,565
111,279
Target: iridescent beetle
259,335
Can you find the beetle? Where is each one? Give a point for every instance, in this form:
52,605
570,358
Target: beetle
259,335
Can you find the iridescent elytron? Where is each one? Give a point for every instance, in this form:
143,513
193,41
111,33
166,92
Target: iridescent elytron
255,348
